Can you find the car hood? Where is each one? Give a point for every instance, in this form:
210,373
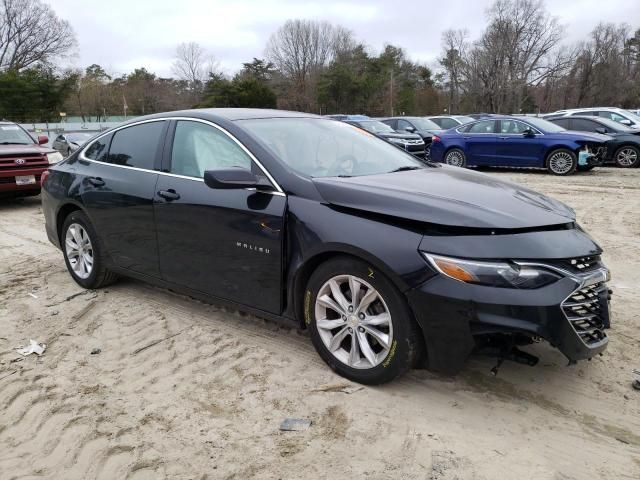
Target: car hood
447,196
588,136
24,150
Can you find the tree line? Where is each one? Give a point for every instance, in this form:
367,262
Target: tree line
519,63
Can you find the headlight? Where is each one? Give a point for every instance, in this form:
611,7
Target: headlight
495,274
54,157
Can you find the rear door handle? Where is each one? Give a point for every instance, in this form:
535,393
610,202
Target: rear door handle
169,195
96,181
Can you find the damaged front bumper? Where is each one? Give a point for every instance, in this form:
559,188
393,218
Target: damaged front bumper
571,314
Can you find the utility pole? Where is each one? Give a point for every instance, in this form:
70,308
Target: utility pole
391,92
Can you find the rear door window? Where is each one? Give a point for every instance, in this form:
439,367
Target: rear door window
584,125
562,122
137,146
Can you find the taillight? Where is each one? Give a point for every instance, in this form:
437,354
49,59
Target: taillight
435,139
44,176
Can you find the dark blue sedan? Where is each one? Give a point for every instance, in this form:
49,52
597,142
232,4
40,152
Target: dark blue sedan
528,142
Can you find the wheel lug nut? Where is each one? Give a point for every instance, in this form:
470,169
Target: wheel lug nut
361,316
350,330
350,308
344,317
361,329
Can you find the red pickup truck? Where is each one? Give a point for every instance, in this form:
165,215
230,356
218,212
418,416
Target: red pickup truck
22,160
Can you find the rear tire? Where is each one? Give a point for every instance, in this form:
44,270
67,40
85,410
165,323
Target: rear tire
456,158
562,161
83,252
627,156
370,339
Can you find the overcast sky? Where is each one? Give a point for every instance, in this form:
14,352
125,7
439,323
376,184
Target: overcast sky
122,35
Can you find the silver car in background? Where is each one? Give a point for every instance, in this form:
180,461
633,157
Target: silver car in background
67,143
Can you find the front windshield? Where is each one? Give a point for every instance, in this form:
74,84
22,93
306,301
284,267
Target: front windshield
545,125
425,124
316,147
376,127
79,137
632,116
14,135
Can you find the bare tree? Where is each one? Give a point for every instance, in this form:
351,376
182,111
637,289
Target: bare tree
194,65
31,33
300,49
454,44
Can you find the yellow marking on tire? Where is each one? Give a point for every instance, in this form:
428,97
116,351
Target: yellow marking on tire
371,273
392,352
307,305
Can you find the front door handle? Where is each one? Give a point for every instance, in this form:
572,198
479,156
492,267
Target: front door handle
169,195
96,181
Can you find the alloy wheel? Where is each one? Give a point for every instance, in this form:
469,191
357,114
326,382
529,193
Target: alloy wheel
353,321
79,250
455,158
627,157
561,162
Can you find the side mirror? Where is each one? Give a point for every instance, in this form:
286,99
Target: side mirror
626,122
410,129
42,139
528,133
601,130
231,178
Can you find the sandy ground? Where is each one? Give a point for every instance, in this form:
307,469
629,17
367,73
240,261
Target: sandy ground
207,402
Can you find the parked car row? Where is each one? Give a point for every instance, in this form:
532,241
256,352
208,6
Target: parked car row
562,143
529,142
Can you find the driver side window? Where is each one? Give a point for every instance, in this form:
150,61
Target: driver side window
485,126
403,125
198,147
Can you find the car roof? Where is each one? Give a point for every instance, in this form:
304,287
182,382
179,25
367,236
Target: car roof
589,109
231,114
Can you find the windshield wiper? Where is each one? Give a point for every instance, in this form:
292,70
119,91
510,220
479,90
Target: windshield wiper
406,168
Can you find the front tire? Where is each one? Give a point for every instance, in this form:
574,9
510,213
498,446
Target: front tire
456,158
627,157
83,253
359,323
562,162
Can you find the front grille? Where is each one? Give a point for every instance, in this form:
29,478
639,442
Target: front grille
580,264
9,162
585,311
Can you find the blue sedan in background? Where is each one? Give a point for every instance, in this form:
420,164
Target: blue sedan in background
530,142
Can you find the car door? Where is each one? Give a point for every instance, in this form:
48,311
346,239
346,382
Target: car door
515,149
480,140
222,242
117,191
